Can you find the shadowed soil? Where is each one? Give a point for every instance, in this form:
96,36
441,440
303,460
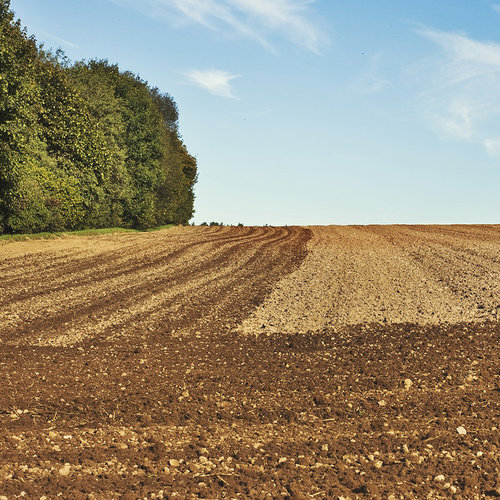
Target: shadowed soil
355,362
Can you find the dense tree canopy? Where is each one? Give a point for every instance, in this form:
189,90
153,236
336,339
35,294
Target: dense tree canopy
85,145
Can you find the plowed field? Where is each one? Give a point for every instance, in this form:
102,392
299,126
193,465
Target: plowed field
320,362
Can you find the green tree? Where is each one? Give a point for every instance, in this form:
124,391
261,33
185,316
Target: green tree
85,145
96,81
77,144
22,151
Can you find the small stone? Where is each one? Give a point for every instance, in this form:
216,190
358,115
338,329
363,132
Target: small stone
52,434
174,463
64,471
453,489
381,403
378,464
122,446
461,430
408,383
203,459
439,478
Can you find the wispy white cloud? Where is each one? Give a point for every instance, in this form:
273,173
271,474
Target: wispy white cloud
496,7
57,39
260,20
462,96
492,146
373,79
215,81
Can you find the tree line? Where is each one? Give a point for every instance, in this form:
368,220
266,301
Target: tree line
85,145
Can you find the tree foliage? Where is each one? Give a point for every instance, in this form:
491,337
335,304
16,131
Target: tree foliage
85,145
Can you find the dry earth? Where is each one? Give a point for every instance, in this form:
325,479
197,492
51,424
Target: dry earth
321,362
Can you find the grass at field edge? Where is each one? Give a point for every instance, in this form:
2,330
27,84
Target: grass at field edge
8,238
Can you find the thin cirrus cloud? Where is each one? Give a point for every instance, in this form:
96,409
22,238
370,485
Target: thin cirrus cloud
462,99
496,7
259,20
59,40
216,82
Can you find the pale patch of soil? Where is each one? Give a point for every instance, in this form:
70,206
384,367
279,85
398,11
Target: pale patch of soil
387,274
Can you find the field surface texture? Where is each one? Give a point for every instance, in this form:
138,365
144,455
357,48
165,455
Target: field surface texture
222,362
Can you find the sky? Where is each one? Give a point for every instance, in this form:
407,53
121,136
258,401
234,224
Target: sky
304,112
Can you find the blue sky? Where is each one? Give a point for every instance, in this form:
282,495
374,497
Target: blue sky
313,111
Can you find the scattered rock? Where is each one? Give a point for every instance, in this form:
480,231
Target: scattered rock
64,471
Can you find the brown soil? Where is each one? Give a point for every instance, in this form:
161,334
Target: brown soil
322,362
